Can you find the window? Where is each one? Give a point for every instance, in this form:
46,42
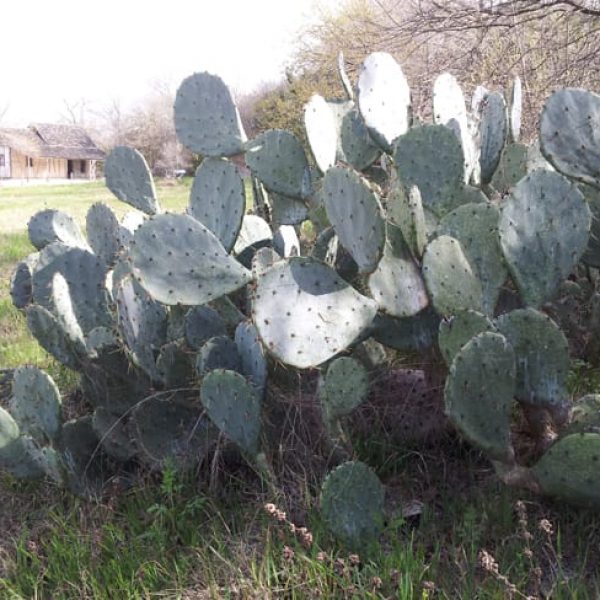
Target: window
2,160
82,166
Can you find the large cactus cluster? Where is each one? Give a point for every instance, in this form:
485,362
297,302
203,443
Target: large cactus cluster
451,233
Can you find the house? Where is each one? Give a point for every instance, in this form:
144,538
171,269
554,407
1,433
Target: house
44,151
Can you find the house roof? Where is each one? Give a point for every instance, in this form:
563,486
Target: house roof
52,141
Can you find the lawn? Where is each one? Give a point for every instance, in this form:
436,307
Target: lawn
206,534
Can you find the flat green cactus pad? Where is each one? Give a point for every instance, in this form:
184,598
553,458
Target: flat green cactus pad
35,404
305,313
352,503
569,469
234,406
384,98
431,158
493,131
321,131
180,261
344,388
569,134
169,431
128,177
460,329
355,212
542,353
479,393
405,209
207,120
544,230
103,232
277,158
452,283
51,225
397,284
475,226
218,199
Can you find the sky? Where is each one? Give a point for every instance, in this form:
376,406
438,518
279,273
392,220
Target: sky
59,52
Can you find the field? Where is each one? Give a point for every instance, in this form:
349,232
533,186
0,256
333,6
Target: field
207,534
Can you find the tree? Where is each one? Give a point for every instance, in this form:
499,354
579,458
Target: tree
549,43
149,127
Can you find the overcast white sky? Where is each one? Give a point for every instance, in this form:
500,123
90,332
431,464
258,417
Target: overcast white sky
57,50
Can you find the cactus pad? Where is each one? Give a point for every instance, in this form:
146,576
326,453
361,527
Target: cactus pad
513,166
516,109
252,355
356,214
21,281
219,352
449,109
345,387
411,333
113,434
431,158
103,232
475,226
396,284
544,230
233,405
493,130
129,179
352,503
218,199
143,324
405,209
479,392
207,120
305,313
542,354
52,336
384,98
35,404
277,158
202,323
286,242
168,431
321,131
569,469
451,280
356,146
569,134
51,225
180,261
460,329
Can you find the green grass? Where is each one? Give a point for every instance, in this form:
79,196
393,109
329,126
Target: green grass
19,204
166,536
171,539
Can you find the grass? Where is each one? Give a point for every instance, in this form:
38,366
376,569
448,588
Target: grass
19,204
166,536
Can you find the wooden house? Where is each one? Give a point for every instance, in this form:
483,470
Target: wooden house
44,151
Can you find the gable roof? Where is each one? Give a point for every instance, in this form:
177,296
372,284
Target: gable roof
46,140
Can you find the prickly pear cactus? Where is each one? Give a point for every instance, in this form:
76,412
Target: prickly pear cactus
569,134
305,313
234,406
207,120
544,230
178,260
129,179
479,392
352,503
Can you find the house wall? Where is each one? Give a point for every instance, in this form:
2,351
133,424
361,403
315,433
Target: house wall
4,162
38,168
